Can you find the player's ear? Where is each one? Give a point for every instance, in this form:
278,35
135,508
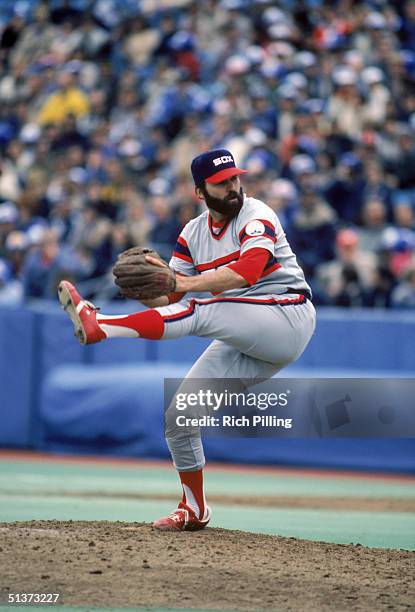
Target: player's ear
199,193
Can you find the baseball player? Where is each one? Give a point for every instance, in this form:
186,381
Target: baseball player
260,316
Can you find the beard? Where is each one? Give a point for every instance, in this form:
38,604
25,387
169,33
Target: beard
229,206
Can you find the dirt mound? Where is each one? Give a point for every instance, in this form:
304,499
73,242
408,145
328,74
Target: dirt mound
105,564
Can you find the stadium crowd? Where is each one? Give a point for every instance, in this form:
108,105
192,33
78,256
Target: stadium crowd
103,103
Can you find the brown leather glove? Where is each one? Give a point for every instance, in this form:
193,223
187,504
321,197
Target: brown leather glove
139,279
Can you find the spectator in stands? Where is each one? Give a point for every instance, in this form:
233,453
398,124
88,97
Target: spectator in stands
302,171
351,275
311,231
376,184
344,105
70,136
120,240
9,218
9,37
403,216
165,226
136,217
36,39
11,292
140,41
92,230
379,295
10,186
47,263
345,194
398,249
15,251
373,225
377,96
69,99
404,164
407,25
97,103
124,117
403,295
62,216
282,197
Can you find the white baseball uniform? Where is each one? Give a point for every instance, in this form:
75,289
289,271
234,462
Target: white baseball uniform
258,329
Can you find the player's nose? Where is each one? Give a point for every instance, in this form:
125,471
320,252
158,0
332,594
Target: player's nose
230,184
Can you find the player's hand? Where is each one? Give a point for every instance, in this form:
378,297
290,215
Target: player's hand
156,262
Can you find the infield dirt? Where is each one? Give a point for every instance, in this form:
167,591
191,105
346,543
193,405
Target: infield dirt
106,564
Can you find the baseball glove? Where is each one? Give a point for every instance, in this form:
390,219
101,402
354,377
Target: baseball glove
139,279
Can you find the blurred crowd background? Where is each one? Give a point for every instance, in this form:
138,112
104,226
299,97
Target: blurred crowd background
103,104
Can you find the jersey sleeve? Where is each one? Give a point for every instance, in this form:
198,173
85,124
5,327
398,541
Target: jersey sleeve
257,229
181,259
251,265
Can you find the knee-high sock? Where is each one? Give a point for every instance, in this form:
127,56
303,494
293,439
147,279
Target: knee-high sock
193,492
147,324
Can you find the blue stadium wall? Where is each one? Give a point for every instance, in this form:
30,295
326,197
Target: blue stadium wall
107,399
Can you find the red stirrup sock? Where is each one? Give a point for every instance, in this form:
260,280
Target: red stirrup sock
148,324
193,493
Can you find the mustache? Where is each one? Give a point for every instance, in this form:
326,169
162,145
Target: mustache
225,206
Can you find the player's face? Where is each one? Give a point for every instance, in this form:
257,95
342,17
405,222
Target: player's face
225,198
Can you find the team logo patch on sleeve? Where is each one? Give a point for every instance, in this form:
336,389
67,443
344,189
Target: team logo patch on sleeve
258,228
255,228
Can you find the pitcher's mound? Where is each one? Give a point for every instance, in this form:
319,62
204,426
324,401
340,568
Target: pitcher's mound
106,564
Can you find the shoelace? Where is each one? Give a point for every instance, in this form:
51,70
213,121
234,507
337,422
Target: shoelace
92,306
175,515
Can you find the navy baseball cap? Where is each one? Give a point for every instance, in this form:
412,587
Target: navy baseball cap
214,167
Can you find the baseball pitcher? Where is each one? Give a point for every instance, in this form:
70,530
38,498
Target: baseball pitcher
260,315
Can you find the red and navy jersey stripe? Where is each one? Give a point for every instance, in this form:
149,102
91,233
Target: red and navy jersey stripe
231,257
181,250
217,263
271,266
269,232
188,312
